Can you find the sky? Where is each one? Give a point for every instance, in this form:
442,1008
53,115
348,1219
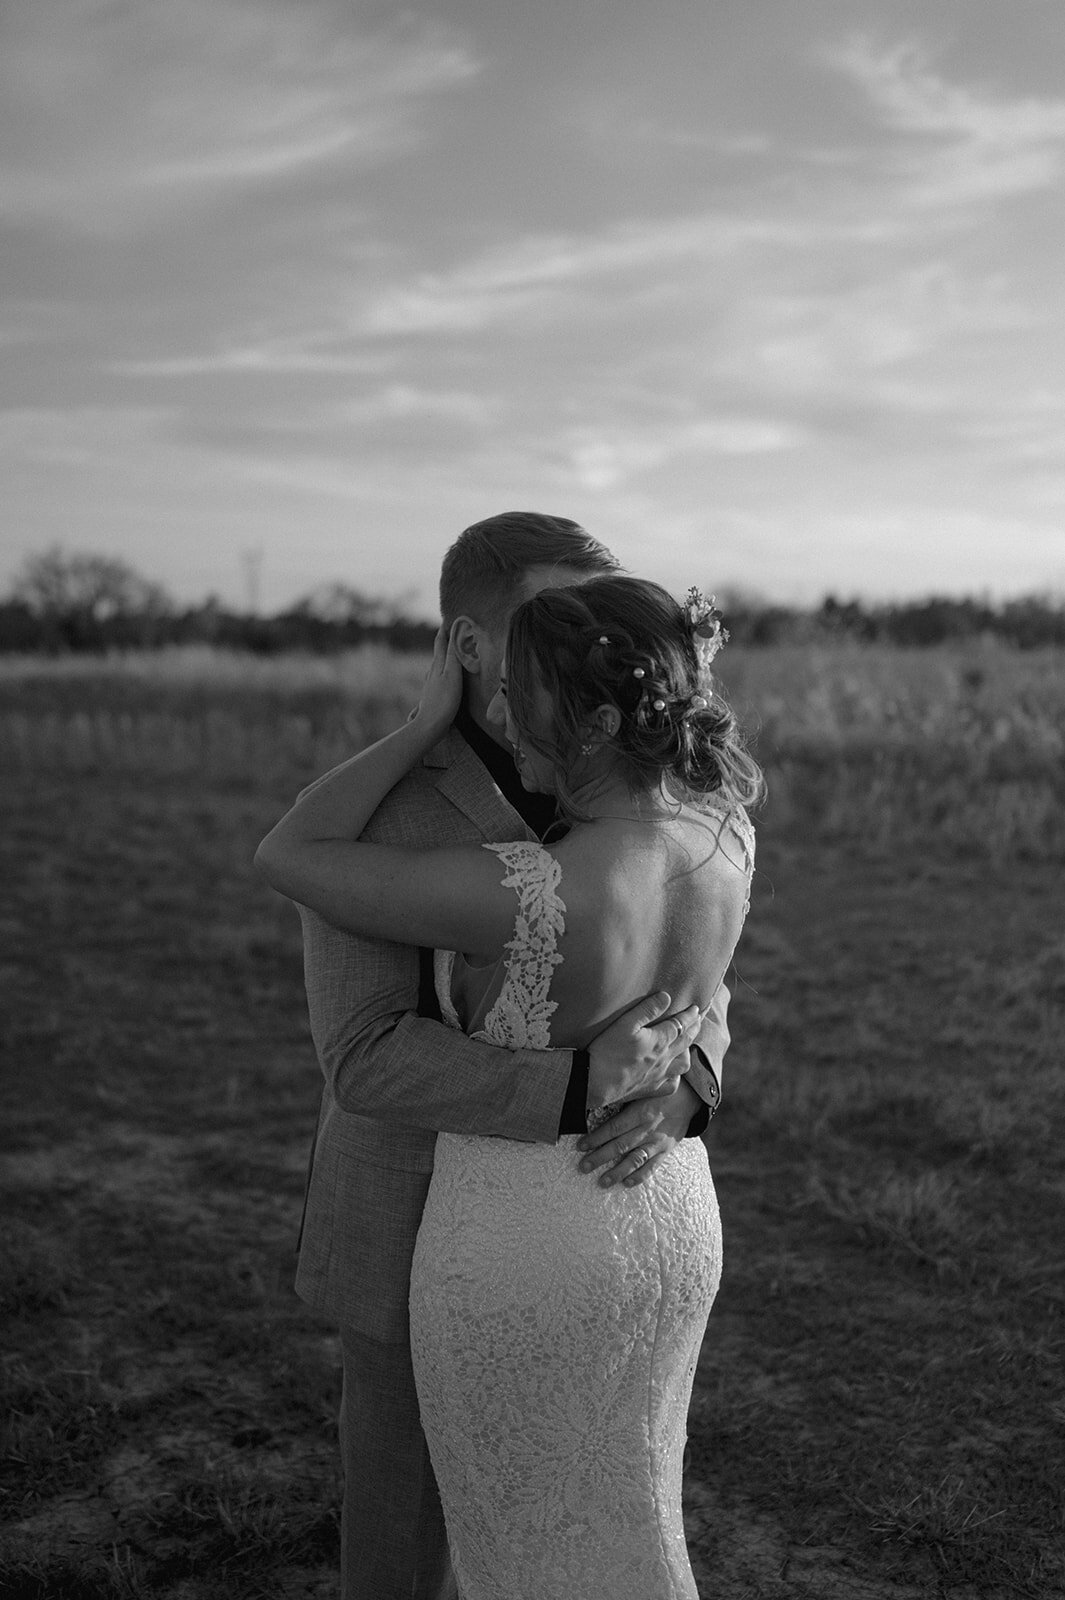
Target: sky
768,294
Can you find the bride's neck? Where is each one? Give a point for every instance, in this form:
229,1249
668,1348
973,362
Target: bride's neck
613,800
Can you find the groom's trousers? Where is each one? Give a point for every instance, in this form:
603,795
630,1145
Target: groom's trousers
393,1542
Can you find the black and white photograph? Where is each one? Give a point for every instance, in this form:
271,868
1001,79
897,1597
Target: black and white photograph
532,815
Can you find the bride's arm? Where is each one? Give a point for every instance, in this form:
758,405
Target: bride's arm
340,805
449,898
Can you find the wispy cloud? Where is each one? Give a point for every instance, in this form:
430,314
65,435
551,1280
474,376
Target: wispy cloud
535,271
316,353
608,457
962,144
830,340
610,129
354,323
112,113
417,414
402,402
1025,431
76,434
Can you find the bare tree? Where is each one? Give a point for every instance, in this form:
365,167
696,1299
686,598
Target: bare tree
90,601
97,588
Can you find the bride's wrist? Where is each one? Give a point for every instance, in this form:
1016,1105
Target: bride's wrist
429,727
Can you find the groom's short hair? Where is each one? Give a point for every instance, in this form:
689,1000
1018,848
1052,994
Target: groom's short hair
482,572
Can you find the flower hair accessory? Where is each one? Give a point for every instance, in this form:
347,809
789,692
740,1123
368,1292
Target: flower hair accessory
704,623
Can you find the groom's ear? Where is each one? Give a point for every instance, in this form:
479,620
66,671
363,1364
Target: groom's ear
468,640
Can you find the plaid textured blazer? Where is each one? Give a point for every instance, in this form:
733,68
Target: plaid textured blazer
394,1079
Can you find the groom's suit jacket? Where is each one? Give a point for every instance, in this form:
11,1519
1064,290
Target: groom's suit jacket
394,1079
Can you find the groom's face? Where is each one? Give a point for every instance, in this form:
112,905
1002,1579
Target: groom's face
482,688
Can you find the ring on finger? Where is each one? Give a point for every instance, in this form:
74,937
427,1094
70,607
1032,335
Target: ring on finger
639,1155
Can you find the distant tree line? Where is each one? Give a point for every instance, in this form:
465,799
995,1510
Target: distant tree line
1027,622
62,603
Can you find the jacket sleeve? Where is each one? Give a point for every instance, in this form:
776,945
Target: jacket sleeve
707,1059
384,1061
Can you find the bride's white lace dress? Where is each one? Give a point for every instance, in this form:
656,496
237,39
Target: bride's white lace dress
555,1327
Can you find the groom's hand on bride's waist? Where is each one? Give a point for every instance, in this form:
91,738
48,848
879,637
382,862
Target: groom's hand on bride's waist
629,1147
636,1065
643,1052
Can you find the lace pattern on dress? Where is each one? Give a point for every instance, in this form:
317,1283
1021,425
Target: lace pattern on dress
555,1328
521,1015
736,818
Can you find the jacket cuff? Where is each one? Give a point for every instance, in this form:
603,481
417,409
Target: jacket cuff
574,1106
701,1120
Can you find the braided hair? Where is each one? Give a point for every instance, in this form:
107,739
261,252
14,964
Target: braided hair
626,642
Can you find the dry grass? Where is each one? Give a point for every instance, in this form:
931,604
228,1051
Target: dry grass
878,1410
962,747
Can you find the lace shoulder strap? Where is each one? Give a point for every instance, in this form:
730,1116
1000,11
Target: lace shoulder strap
743,828
739,824
521,1015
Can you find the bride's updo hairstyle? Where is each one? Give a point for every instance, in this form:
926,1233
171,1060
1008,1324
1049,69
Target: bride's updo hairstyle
626,642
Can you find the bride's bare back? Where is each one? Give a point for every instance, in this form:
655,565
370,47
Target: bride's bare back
649,906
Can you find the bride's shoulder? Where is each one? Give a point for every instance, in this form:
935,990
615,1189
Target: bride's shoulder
610,863
729,825
703,850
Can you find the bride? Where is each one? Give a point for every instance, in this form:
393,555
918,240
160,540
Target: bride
555,1327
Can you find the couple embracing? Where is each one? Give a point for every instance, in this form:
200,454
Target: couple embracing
509,1210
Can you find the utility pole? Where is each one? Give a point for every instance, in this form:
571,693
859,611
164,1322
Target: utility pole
252,562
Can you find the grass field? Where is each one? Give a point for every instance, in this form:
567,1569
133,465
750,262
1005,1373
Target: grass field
879,1411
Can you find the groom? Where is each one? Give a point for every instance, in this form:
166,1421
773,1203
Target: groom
396,1076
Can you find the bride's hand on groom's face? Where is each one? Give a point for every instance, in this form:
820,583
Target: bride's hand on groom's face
442,691
629,1147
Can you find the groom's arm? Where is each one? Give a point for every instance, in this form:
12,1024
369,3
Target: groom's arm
384,1061
640,1135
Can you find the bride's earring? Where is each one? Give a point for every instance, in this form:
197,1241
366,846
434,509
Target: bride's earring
585,749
